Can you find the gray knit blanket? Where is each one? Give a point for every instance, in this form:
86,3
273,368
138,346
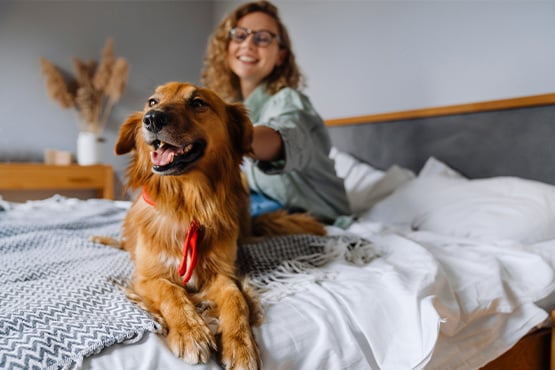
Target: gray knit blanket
62,296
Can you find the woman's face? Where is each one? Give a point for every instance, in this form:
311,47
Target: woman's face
252,63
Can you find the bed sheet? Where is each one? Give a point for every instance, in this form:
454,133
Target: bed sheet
428,301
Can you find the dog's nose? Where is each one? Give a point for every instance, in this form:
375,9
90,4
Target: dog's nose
154,120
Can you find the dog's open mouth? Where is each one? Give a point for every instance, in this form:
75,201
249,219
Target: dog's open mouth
168,159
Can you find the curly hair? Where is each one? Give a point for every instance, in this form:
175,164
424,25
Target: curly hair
216,73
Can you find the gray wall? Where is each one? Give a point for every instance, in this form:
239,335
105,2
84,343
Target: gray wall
363,57
162,41
360,57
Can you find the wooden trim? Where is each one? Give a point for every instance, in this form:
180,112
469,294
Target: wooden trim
552,359
521,102
36,176
531,352
107,191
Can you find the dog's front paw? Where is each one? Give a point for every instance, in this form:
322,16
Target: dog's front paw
240,352
193,343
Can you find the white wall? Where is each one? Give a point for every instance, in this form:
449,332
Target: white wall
363,57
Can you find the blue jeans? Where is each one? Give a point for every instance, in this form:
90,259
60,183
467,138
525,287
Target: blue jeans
261,204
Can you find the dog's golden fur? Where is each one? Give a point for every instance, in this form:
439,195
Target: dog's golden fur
189,163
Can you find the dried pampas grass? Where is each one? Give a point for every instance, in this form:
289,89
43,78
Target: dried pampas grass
105,67
56,85
118,80
94,89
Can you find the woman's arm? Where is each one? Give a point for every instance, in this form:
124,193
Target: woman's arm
267,144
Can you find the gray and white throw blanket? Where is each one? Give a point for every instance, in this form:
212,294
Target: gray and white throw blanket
62,296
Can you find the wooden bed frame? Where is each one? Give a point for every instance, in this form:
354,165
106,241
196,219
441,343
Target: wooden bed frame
494,138
508,137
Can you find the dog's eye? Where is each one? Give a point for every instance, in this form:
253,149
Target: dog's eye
197,103
152,102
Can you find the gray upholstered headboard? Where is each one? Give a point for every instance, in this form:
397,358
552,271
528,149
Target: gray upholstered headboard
512,137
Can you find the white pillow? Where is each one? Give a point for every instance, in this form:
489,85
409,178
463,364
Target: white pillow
364,184
499,208
434,167
413,199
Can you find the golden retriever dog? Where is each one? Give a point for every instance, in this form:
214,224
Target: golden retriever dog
183,230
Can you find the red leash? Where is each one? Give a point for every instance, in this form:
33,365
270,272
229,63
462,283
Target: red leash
188,263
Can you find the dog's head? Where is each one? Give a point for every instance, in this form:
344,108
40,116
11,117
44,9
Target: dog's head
183,126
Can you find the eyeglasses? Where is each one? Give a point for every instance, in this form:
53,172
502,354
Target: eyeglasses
262,38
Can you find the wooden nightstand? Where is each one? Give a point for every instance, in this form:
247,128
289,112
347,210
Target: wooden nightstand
52,178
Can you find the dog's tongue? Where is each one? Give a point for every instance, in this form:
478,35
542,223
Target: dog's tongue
163,156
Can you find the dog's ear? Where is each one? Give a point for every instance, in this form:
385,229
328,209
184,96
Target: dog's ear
240,127
126,137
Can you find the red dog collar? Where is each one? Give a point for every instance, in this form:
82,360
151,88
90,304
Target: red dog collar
189,260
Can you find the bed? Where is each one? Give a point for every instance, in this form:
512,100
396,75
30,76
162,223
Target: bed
447,263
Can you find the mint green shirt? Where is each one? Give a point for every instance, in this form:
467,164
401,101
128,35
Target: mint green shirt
306,178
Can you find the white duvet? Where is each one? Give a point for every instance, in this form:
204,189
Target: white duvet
436,298
429,301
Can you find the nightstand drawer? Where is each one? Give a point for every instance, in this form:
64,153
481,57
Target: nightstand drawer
36,176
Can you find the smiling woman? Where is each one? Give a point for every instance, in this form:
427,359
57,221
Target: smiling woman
289,166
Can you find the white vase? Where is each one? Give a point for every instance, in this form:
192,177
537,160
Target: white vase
89,148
